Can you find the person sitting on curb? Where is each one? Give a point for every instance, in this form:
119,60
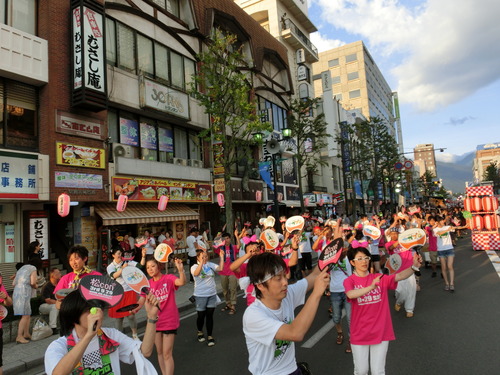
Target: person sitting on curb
49,307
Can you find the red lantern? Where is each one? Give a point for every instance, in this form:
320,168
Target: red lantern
220,199
162,203
487,203
63,202
490,222
258,195
468,204
306,202
122,203
476,204
321,202
494,202
477,222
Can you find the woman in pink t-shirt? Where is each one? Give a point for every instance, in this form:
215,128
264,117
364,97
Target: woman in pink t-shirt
164,287
371,324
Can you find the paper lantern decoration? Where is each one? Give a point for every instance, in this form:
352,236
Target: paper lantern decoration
467,204
122,203
280,197
487,203
477,222
321,202
494,203
162,203
220,199
63,202
306,202
476,204
258,195
490,222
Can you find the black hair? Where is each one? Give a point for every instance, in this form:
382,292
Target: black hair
192,230
359,234
251,243
225,234
199,251
351,253
32,246
261,265
19,265
348,235
114,249
37,262
72,307
80,250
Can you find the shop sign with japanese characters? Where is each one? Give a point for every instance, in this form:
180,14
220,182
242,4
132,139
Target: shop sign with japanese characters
146,189
78,180
80,156
164,98
80,126
18,176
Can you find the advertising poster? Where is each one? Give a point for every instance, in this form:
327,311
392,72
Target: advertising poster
80,156
129,132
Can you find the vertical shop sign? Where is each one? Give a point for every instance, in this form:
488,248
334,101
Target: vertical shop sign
39,231
10,244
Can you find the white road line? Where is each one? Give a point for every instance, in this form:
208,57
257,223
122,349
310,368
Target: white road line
318,335
495,260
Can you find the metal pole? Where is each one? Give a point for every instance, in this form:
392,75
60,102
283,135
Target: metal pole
276,208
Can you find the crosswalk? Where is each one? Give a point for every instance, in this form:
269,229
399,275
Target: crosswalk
495,260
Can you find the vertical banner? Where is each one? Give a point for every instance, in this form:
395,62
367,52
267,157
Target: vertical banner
10,244
39,231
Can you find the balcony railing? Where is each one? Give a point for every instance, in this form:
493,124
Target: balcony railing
288,24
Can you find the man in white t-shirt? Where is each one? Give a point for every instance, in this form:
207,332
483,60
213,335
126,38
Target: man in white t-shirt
150,244
269,324
306,251
192,246
162,236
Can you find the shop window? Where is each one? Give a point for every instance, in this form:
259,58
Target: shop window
20,14
126,47
18,104
166,143
129,131
149,141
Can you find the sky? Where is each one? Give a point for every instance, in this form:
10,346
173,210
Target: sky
441,56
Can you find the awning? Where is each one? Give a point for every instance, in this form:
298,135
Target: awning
143,213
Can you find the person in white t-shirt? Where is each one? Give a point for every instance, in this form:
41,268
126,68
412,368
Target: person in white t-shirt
192,246
269,324
162,236
305,249
150,244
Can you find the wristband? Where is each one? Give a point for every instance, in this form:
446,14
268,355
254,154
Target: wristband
152,321
416,269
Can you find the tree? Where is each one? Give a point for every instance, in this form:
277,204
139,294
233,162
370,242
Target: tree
427,184
225,84
311,138
492,174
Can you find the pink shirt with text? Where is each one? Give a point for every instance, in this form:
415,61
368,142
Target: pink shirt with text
67,280
370,315
432,238
164,289
226,271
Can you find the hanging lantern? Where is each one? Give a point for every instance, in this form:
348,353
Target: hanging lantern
490,222
122,203
280,197
220,199
306,202
476,204
494,202
63,202
468,204
162,203
258,195
487,203
321,202
477,222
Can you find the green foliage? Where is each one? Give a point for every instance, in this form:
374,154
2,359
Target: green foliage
492,173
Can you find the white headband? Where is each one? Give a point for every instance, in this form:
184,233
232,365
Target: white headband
269,276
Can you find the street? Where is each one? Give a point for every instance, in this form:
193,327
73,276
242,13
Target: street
449,334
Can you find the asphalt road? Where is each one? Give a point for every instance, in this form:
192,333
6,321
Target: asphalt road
449,334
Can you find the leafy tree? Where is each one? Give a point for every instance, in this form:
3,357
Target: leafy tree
427,184
311,138
223,86
492,174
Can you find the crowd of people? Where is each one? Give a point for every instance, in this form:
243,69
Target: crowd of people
274,281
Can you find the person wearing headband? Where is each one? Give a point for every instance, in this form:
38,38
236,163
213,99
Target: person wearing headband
269,324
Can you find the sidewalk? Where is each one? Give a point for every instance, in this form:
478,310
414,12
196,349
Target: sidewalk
17,358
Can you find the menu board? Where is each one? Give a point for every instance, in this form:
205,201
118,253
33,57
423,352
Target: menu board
144,190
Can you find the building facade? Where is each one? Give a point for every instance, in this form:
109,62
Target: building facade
485,155
424,155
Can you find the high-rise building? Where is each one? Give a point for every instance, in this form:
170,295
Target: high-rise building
425,157
357,82
485,155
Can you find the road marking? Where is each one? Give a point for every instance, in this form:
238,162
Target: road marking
318,335
495,260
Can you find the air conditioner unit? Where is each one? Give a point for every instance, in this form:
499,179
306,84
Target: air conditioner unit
195,163
180,161
124,151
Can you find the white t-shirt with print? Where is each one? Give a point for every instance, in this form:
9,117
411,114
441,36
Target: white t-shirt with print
204,283
266,355
444,241
91,358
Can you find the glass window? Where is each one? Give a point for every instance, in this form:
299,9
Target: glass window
189,71
194,147
161,3
335,80
180,143
177,69
22,15
166,143
145,55
352,76
126,47
129,130
338,96
149,140
21,125
2,12
161,62
332,63
173,7
110,41
354,94
350,58
113,126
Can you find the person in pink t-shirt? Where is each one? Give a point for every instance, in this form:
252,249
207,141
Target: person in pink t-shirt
239,267
164,287
228,281
371,324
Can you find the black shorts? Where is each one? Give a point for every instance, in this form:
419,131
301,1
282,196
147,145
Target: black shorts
306,261
169,332
375,258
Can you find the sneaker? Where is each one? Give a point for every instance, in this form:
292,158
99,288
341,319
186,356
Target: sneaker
201,338
397,307
211,341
